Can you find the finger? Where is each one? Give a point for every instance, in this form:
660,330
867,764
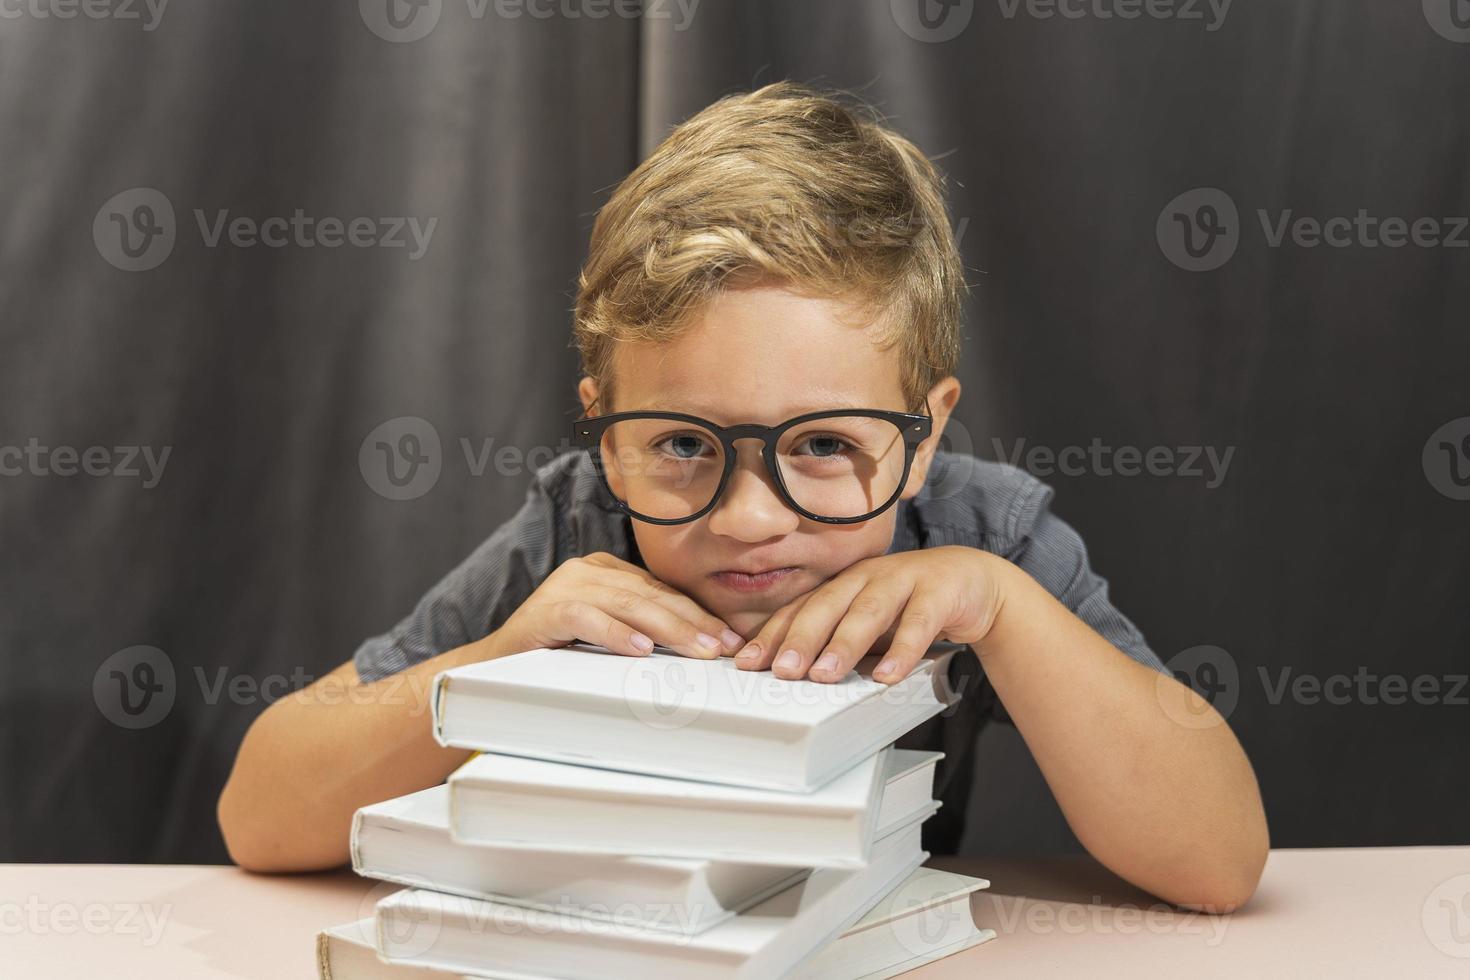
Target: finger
685,606
655,619
627,575
592,624
917,629
871,613
813,626
761,650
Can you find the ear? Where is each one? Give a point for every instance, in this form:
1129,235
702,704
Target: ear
587,392
942,399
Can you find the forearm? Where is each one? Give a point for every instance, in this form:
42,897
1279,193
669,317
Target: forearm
311,759
1170,806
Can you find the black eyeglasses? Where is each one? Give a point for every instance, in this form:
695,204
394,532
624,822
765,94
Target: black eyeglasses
865,462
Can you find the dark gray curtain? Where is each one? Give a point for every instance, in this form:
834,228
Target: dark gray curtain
265,545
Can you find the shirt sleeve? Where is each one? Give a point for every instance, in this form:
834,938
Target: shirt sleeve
1053,553
476,597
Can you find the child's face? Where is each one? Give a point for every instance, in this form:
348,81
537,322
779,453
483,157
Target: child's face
763,354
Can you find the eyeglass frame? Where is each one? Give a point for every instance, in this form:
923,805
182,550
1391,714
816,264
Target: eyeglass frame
587,433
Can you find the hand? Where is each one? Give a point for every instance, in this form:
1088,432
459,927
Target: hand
602,599
902,602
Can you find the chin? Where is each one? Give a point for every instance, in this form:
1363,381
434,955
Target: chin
746,622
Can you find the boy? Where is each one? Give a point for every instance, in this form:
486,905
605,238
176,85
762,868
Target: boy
781,256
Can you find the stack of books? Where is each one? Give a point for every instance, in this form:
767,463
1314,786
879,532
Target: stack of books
661,816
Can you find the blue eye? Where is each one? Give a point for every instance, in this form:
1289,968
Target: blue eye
687,445
832,444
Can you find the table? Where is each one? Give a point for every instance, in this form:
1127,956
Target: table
1348,912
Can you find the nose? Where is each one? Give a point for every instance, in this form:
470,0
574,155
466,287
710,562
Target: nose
751,508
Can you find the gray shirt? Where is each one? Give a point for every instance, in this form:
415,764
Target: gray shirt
966,501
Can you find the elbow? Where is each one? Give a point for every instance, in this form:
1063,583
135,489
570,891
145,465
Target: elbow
264,841
245,847
1223,895
1230,883
257,842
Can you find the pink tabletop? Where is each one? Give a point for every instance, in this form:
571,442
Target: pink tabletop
1361,912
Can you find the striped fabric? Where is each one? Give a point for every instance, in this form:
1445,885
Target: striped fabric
965,501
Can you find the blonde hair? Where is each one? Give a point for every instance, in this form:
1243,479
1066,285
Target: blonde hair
784,184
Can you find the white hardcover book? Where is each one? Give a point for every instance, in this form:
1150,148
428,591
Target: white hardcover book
667,715
772,939
510,801
927,917
407,840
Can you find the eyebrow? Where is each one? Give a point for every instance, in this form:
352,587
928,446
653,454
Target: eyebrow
710,411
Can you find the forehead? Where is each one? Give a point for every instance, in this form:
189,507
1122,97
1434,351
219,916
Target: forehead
761,354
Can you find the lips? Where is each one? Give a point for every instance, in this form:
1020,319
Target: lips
754,581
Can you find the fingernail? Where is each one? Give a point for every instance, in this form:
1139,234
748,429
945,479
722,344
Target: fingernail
732,639
642,642
883,669
790,660
827,661
749,653
705,640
